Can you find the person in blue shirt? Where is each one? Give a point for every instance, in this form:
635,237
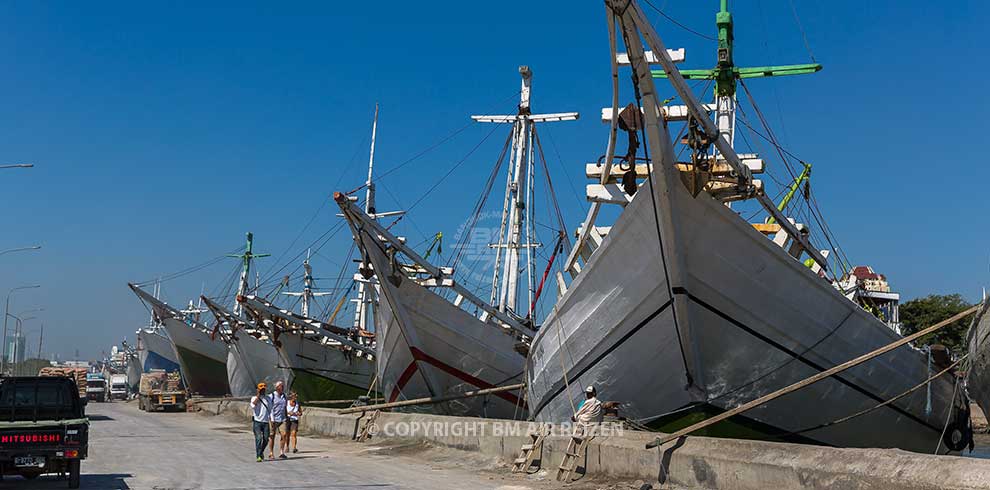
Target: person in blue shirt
278,401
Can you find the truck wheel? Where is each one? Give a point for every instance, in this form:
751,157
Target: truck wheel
30,475
74,473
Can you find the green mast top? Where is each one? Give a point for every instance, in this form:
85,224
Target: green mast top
726,73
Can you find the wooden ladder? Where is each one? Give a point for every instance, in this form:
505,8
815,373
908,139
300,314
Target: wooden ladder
570,461
365,427
528,451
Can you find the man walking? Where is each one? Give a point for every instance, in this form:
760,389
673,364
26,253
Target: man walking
278,401
261,406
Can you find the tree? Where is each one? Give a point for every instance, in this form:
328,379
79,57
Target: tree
921,313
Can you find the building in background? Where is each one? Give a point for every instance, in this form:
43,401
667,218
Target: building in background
15,348
872,291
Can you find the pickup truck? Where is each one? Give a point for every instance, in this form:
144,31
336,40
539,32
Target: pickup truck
43,427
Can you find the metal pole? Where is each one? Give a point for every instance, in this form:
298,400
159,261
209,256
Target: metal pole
41,337
18,165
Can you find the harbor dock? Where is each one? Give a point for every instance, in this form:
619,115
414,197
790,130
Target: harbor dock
692,462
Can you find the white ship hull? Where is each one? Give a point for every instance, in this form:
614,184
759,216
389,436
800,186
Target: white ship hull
202,359
251,361
428,347
718,315
323,371
155,351
133,372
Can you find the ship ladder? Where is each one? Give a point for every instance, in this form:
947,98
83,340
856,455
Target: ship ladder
367,427
528,451
571,457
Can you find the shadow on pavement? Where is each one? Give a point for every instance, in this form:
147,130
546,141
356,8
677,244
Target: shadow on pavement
99,417
111,481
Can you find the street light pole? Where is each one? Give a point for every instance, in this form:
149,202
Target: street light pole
6,313
41,337
18,165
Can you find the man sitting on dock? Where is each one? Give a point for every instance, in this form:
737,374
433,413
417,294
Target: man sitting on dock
590,411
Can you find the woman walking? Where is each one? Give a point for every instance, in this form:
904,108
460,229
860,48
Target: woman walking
293,411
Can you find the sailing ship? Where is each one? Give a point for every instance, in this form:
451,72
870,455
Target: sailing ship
432,346
682,308
251,357
201,356
154,349
978,348
327,362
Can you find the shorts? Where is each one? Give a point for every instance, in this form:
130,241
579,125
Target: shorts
277,426
291,425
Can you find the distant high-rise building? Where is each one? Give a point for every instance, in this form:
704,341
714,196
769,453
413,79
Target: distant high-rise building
15,348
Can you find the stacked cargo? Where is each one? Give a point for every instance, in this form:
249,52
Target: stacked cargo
160,389
76,373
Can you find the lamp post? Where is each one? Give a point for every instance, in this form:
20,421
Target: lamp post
18,165
6,313
35,247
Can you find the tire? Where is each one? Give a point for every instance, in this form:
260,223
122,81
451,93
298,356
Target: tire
30,475
74,473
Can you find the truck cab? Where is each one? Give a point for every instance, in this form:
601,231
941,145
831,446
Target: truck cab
96,387
118,387
43,427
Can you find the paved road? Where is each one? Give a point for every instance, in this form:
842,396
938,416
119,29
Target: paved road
130,449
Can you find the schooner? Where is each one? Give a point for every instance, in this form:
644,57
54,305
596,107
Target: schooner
681,308
431,343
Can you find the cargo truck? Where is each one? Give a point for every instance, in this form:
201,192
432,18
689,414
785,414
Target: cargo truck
161,390
118,387
96,387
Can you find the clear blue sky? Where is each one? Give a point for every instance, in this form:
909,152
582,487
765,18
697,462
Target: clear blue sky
161,134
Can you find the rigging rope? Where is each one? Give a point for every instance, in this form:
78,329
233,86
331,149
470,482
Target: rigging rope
804,36
678,24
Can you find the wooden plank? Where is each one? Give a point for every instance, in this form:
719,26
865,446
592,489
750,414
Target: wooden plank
676,55
594,171
671,113
608,193
766,228
561,284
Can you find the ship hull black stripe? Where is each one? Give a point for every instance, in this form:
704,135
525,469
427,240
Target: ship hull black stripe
560,384
806,361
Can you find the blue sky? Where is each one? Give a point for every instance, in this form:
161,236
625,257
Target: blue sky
161,134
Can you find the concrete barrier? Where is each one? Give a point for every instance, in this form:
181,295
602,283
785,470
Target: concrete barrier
694,462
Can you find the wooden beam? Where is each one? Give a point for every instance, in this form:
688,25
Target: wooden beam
608,193
433,399
671,113
766,228
676,55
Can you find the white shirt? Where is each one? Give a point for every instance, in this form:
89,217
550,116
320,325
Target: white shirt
262,408
292,410
590,411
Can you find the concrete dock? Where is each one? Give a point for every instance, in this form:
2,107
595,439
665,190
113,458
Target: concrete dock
695,462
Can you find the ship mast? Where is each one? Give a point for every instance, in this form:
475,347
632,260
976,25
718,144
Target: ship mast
515,231
246,258
362,300
307,293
